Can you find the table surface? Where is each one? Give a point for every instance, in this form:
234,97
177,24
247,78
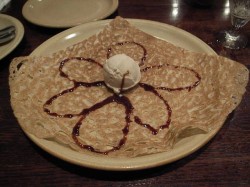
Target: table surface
224,161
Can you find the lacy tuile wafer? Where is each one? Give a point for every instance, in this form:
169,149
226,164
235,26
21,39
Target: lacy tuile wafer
63,97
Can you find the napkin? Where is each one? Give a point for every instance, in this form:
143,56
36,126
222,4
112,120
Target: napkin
3,3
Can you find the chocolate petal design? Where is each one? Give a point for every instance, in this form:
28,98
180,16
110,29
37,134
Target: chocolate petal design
67,97
86,133
162,112
72,68
171,77
70,102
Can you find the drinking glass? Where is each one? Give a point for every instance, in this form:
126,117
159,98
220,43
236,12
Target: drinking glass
240,15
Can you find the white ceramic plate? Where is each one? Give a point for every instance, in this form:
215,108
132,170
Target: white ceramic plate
183,148
5,21
67,13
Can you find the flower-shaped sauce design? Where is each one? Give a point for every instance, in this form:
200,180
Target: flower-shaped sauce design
118,98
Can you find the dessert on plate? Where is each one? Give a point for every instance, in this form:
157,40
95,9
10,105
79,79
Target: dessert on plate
123,93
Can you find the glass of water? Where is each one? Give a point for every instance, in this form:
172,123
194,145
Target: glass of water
240,15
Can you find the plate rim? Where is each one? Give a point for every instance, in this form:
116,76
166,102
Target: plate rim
208,49
19,34
42,142
113,8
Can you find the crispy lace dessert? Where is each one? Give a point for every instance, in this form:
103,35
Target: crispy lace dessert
63,97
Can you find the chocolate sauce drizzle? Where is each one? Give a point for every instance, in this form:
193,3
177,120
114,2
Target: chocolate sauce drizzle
119,99
114,98
144,56
198,77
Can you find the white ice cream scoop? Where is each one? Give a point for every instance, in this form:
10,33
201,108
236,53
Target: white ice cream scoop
121,72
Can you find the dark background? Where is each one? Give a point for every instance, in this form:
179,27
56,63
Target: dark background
224,161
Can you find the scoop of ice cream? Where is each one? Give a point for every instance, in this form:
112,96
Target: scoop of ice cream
121,73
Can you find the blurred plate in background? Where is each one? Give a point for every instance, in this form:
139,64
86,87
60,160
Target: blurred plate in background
6,21
67,13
